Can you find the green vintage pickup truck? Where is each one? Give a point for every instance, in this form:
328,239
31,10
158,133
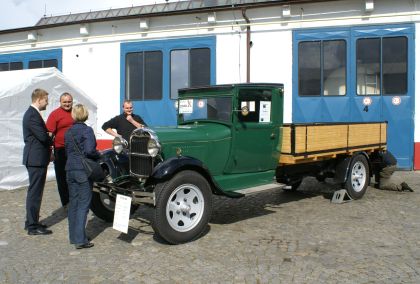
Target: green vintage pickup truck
230,140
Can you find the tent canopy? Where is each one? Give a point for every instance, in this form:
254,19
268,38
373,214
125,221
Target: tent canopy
15,97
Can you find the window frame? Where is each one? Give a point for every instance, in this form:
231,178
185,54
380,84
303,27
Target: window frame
322,67
143,79
172,96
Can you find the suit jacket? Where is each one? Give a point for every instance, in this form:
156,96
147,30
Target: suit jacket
36,152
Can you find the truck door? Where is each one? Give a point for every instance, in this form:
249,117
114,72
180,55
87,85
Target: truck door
255,136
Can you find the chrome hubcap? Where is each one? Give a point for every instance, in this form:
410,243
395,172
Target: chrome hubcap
358,176
185,207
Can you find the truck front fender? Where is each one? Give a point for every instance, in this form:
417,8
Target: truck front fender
114,164
168,168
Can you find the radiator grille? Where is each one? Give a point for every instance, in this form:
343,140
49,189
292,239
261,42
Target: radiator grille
141,163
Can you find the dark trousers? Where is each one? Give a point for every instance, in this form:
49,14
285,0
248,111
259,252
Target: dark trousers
37,177
60,160
80,192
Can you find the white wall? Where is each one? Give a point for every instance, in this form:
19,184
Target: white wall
230,58
416,113
271,62
95,68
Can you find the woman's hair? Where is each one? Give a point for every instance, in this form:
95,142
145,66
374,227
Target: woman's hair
79,113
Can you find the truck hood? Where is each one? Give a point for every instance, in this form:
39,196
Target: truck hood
207,142
192,133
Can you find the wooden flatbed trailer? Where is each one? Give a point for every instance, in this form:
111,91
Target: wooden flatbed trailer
302,143
344,151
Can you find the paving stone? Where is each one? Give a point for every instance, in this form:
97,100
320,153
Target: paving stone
271,237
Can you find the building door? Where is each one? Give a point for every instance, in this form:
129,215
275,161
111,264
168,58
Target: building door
383,60
358,74
153,71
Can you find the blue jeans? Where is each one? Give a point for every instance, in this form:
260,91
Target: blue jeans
80,195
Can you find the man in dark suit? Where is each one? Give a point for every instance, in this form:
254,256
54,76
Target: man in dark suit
36,157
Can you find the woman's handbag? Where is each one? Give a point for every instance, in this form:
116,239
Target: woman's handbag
93,169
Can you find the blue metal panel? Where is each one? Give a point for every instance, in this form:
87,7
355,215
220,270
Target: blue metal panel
25,57
319,108
351,107
163,112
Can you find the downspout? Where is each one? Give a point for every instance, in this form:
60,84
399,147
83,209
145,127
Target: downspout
248,46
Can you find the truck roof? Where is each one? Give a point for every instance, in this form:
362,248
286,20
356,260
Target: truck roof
229,87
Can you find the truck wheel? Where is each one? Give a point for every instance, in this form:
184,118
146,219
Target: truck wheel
293,186
358,177
183,207
103,205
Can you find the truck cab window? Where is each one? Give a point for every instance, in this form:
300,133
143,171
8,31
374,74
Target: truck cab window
258,102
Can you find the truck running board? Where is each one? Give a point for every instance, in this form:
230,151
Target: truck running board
256,189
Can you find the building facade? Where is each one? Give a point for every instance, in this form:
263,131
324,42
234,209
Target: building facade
344,60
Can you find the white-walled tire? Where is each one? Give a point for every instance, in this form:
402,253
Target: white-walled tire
183,207
358,178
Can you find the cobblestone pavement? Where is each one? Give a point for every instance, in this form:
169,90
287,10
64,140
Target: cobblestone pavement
271,237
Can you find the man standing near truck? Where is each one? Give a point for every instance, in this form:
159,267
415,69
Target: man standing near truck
388,165
58,122
124,123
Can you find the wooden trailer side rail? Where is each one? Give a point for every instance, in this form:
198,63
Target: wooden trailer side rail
303,143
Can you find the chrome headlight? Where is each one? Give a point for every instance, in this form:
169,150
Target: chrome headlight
119,144
153,147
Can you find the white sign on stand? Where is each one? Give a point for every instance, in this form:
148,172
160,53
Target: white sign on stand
122,213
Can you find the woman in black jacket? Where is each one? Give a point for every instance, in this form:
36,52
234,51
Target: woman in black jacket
79,140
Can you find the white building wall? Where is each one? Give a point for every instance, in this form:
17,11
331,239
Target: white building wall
271,62
416,113
97,68
230,58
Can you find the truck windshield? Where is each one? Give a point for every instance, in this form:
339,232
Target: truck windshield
210,108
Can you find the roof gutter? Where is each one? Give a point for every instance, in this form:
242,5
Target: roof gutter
168,13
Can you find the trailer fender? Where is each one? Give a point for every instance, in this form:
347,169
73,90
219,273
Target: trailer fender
343,166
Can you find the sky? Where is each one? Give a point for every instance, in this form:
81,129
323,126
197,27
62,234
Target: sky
26,13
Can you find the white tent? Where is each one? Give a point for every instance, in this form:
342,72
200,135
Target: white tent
15,97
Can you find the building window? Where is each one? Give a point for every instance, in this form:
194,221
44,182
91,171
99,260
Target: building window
9,66
189,68
322,68
394,65
368,68
382,66
144,75
43,63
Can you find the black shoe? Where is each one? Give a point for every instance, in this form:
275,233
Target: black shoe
42,225
39,225
406,187
39,231
84,246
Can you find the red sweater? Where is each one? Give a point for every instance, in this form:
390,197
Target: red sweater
58,122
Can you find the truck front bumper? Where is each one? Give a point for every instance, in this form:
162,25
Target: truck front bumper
138,197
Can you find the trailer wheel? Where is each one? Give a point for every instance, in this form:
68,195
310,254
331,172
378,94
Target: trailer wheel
358,177
103,206
183,207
